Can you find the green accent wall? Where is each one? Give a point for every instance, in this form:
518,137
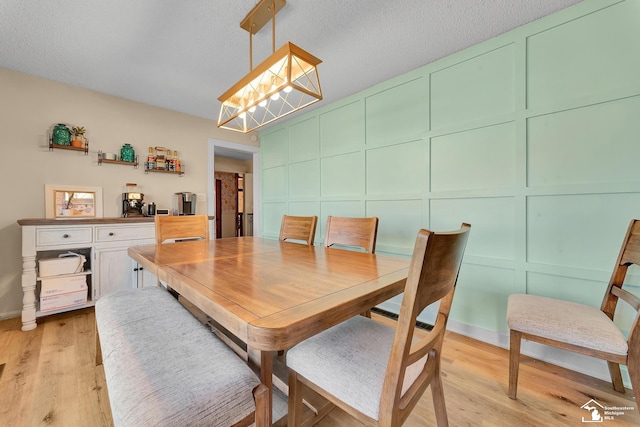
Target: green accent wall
533,137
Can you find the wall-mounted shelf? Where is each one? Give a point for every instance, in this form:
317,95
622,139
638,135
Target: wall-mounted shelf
180,172
69,147
102,160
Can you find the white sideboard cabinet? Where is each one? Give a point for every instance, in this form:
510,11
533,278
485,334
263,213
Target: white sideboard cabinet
103,242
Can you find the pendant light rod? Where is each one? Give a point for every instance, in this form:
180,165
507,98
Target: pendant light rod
262,13
273,26
250,51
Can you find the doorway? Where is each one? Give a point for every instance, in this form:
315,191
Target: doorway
229,201
250,186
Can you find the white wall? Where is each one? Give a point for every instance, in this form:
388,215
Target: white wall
30,106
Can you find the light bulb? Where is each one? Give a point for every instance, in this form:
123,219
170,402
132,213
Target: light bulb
243,115
252,109
275,96
263,103
288,89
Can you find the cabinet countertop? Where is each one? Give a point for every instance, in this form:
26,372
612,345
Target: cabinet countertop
80,221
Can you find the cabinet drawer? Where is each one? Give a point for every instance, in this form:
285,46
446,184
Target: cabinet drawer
63,236
115,234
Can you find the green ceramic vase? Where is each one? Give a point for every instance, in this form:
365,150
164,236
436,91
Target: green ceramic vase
61,135
127,153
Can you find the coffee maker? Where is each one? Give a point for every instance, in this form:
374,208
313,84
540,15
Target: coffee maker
132,202
184,203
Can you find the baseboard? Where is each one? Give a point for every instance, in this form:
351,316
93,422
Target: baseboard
10,314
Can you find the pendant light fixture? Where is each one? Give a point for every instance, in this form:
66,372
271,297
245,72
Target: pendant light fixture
283,83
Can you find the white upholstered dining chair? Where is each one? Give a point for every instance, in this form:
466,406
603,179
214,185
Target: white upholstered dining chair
581,328
375,372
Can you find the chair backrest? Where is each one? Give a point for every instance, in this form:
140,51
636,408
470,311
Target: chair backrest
181,227
629,255
432,277
356,232
299,228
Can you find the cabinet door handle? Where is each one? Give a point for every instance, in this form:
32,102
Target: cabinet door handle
65,236
112,234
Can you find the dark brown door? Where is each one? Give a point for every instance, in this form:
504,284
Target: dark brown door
218,208
239,206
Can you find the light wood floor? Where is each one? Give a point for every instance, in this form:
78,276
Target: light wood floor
48,377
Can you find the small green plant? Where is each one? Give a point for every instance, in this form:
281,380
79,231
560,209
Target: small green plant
78,130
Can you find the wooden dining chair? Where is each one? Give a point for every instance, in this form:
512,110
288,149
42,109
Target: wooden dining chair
375,372
298,228
349,232
181,227
353,232
581,328
191,227
184,227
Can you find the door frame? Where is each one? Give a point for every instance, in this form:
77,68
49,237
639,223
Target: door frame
211,181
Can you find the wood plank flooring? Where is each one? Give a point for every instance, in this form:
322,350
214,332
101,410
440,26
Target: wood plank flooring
48,378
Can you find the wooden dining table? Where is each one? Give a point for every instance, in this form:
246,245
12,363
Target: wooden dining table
270,294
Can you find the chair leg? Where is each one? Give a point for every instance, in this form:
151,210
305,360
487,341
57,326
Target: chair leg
261,397
294,414
616,377
514,362
98,348
633,367
438,399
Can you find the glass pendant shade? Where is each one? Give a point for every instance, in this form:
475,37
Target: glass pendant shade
285,82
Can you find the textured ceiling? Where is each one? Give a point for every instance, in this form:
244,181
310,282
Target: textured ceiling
181,55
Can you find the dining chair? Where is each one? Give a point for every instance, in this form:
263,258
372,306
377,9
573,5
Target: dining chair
298,228
191,227
353,232
181,227
581,328
375,372
171,228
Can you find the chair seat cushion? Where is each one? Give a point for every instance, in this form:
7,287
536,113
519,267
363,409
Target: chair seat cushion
565,321
164,368
349,361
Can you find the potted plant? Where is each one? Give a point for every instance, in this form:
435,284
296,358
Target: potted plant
78,136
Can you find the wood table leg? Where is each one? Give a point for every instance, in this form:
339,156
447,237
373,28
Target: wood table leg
262,362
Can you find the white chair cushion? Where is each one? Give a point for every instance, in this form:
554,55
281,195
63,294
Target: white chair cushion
565,321
349,361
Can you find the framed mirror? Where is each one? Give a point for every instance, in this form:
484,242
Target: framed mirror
68,202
